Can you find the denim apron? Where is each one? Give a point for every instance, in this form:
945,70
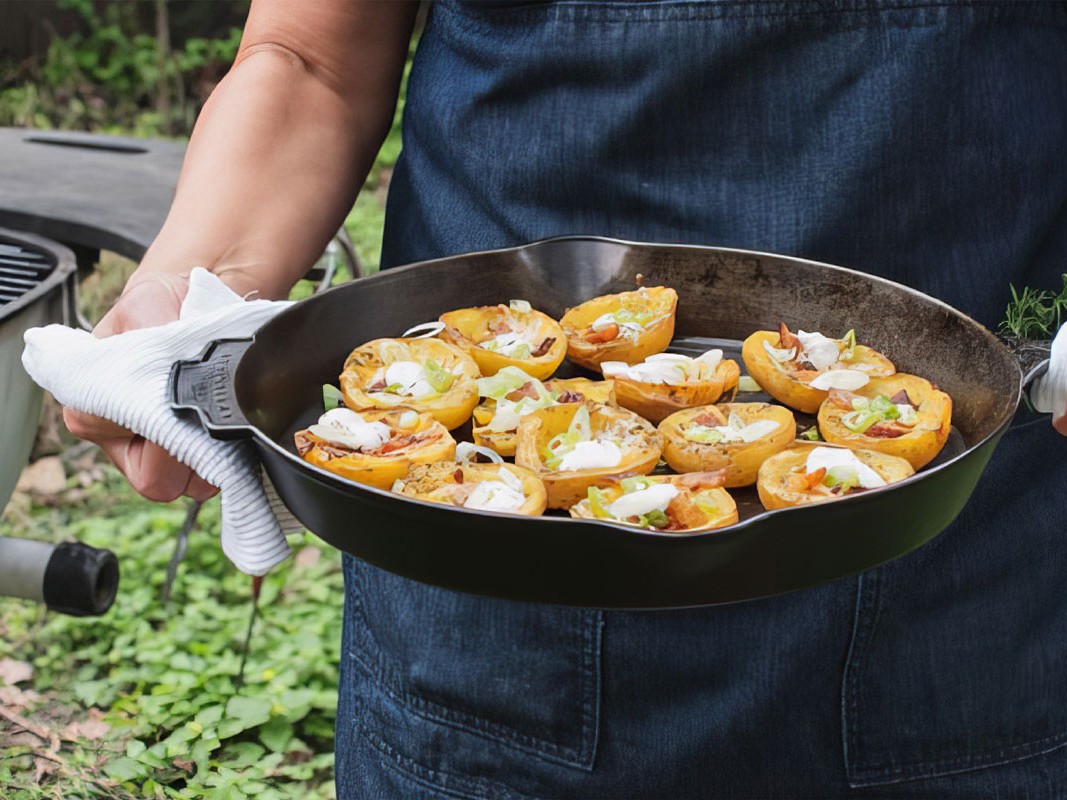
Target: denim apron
922,141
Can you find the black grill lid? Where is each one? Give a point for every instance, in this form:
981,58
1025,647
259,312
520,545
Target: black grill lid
31,267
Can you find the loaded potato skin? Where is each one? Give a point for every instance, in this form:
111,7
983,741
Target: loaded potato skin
668,503
571,446
507,336
423,374
665,383
901,415
789,381
784,479
700,439
453,484
393,442
629,326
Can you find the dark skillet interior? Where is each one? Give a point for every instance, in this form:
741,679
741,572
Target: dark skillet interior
724,295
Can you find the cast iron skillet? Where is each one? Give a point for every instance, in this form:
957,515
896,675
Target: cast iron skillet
269,387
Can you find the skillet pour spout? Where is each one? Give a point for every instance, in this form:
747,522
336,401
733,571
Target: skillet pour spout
270,387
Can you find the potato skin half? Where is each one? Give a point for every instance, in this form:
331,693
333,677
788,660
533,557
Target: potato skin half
741,460
921,444
652,339
466,328
504,442
688,483
451,408
424,482
656,401
381,471
786,389
773,480
565,488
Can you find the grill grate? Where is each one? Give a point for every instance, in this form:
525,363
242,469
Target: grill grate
21,270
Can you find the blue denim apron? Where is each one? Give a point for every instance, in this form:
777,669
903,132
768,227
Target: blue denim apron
922,141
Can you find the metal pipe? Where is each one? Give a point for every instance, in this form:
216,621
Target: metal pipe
71,578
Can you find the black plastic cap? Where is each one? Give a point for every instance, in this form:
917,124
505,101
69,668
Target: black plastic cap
81,580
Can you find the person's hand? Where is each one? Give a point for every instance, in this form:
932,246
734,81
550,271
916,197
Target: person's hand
1049,392
151,300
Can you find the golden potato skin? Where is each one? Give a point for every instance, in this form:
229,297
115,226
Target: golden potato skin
565,488
426,482
690,483
468,327
657,401
920,445
451,408
652,339
503,442
741,460
786,389
773,480
381,471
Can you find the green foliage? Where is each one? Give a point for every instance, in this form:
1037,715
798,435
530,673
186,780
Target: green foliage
164,675
112,76
1035,314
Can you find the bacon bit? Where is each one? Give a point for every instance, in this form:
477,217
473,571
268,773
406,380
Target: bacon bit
458,475
787,339
842,398
695,481
805,375
813,479
395,444
570,397
499,325
902,397
608,334
886,430
526,390
377,386
707,420
807,366
544,346
684,513
304,442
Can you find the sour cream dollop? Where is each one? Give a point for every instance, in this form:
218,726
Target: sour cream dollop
410,378
345,427
845,464
591,455
635,504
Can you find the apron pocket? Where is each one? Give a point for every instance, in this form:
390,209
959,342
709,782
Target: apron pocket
521,674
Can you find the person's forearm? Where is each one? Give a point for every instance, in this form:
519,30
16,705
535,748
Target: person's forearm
283,145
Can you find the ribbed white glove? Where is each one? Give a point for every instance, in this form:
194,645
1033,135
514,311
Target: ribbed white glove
123,378
1049,392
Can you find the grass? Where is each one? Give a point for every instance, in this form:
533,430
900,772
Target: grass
158,679
1035,313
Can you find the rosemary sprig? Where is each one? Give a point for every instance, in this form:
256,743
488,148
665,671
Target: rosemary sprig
1035,314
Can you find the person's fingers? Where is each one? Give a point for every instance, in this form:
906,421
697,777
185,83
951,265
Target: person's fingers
95,429
154,473
1060,424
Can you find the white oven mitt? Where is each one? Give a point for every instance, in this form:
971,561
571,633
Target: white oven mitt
1049,392
124,378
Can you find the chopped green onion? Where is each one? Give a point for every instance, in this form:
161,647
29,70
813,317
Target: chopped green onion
655,519
503,383
860,403
521,306
393,387
703,434
706,504
331,397
597,503
811,435
437,376
884,406
641,316
850,346
408,419
634,484
860,421
843,475
580,426
746,383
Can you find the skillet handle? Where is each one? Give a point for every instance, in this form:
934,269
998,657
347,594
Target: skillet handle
1032,355
205,385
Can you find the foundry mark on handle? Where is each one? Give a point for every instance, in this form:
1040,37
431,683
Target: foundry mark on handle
205,385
